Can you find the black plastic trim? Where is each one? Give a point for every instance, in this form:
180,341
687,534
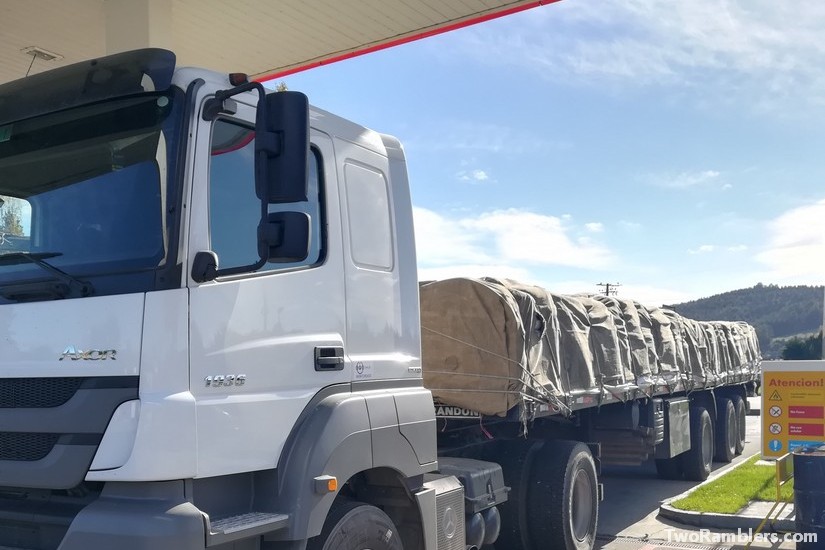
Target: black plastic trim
137,516
78,425
63,468
170,275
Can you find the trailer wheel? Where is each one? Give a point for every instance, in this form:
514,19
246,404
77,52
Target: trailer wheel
741,426
727,430
515,458
563,501
698,461
353,525
670,468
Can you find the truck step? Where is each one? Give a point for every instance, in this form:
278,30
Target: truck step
244,525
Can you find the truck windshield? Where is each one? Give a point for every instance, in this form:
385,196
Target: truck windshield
93,189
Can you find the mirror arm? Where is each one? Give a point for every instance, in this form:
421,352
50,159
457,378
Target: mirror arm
221,104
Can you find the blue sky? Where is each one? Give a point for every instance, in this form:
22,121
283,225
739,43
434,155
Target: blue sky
676,148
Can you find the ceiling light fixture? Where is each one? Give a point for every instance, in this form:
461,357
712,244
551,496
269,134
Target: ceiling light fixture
40,53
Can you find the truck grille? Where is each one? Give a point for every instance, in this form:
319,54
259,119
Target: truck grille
26,446
450,537
51,427
37,393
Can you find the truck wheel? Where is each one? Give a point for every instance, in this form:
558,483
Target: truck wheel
515,458
697,462
354,525
727,430
669,468
563,501
741,419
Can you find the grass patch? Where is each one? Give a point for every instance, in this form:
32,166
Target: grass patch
730,492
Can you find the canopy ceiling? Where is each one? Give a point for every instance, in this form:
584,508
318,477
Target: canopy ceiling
265,38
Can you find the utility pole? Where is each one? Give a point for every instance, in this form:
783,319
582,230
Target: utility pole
609,289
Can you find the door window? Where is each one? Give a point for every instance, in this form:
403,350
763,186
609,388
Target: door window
234,208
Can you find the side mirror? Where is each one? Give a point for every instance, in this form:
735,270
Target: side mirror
283,237
282,148
205,266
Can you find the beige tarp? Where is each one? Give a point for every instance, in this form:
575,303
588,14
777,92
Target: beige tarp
627,340
473,345
665,341
489,345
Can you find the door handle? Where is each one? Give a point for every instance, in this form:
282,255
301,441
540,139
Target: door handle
329,358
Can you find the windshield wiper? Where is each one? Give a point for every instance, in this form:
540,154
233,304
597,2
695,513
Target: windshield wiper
68,287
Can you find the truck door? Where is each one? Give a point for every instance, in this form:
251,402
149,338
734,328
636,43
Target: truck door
254,336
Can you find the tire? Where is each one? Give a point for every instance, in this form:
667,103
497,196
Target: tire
670,468
727,430
740,407
563,500
352,525
516,458
698,461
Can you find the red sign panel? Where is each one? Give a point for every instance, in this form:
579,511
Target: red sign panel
800,411
806,429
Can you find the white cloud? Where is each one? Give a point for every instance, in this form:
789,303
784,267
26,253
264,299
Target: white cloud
703,249
769,50
795,252
441,241
501,238
727,186
654,296
475,176
707,248
476,271
630,226
523,236
594,227
481,138
480,175
681,180
649,295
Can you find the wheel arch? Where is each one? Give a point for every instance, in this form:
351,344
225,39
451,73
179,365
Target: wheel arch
351,435
706,399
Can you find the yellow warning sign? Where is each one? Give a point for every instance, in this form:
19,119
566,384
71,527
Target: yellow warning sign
800,420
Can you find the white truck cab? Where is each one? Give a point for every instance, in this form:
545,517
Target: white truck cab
209,324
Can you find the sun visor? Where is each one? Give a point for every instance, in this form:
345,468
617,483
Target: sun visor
118,75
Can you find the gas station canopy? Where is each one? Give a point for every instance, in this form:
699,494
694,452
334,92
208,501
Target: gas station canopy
263,38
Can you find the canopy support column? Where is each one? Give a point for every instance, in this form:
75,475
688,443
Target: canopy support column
133,24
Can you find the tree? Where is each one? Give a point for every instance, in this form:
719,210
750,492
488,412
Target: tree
803,348
11,219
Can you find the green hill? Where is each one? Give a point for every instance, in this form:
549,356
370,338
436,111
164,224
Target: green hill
777,312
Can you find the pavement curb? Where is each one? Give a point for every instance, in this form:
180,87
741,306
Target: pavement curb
720,521
723,521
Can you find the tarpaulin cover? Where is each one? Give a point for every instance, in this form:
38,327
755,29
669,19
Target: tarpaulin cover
489,345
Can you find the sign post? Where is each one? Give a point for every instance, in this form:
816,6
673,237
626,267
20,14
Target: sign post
793,406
